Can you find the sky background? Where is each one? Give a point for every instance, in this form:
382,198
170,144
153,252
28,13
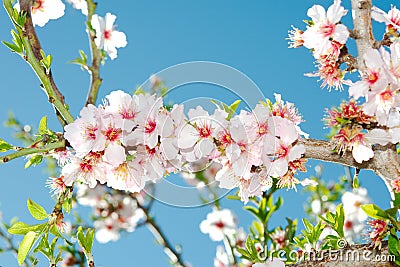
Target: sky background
248,36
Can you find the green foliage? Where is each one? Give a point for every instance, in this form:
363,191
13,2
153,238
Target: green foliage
34,161
25,246
85,240
46,61
336,220
374,211
81,61
4,146
37,211
231,109
16,46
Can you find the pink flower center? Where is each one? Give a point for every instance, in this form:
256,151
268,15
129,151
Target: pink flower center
91,133
262,129
128,114
151,151
220,225
282,152
348,224
327,29
373,77
86,167
226,138
386,95
150,126
37,5
107,34
112,134
204,131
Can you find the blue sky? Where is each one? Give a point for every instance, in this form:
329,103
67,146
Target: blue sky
248,36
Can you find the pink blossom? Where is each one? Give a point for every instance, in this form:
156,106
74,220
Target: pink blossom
325,28
107,38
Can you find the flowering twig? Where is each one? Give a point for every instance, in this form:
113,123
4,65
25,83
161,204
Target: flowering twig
33,55
28,151
96,55
171,252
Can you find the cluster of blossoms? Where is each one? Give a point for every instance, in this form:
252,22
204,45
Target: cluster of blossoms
326,37
133,139
107,37
113,213
391,19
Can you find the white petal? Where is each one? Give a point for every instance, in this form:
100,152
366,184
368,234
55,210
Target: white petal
362,153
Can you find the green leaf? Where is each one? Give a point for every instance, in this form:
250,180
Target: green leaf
20,228
25,247
13,47
89,240
43,125
374,211
37,211
393,244
339,223
4,146
34,161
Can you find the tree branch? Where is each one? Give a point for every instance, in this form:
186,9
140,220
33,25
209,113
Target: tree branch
33,57
33,150
385,162
362,31
96,55
161,238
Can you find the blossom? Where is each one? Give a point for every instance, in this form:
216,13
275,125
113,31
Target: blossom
373,79
325,28
295,38
107,38
44,10
80,5
391,19
221,258
379,230
89,170
396,184
84,134
219,223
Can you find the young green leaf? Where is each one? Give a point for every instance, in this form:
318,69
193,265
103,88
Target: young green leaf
37,211
25,247
4,146
20,228
374,211
43,125
34,161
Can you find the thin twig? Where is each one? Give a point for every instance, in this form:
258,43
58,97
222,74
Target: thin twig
33,150
161,238
96,55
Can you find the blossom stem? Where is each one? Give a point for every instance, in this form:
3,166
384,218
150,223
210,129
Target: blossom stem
33,56
96,55
33,150
161,238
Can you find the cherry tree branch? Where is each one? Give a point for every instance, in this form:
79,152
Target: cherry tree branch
28,151
172,253
33,56
362,32
385,162
96,55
